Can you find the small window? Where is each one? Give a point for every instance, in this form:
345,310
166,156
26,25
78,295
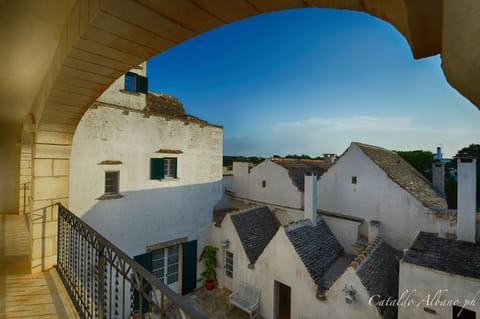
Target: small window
136,83
171,167
354,179
111,183
161,168
264,184
229,264
462,313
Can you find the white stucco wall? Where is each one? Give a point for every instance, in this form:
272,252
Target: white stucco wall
279,189
374,197
150,211
423,284
346,232
118,96
280,262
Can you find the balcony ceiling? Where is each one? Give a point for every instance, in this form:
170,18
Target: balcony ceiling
29,35
59,55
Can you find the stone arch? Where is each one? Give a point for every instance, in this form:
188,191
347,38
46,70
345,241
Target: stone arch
102,39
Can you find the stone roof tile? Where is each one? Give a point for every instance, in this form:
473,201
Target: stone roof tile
297,168
377,268
255,227
402,173
451,256
317,247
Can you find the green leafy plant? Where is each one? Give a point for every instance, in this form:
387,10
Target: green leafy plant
209,259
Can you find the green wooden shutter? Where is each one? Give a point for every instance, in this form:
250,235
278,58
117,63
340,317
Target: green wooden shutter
189,267
157,168
142,84
146,261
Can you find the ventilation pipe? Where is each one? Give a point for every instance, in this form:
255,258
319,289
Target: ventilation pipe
467,200
310,198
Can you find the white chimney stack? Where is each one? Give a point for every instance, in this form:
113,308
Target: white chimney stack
467,200
438,177
310,198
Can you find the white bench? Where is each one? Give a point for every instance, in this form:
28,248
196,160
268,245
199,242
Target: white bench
247,298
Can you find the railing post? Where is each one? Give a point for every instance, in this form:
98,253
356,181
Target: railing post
95,301
101,280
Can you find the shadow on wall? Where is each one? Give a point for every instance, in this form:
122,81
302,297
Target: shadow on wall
146,217
10,135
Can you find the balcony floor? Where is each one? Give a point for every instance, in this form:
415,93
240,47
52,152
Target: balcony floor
25,295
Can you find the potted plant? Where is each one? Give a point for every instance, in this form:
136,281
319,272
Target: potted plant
209,259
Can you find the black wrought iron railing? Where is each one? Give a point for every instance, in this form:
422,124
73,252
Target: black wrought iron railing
104,282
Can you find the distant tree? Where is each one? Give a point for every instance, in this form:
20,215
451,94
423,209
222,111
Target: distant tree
256,159
472,150
451,191
421,160
295,156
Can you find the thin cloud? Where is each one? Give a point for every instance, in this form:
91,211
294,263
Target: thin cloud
356,122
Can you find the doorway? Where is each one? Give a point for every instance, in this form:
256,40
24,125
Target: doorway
283,300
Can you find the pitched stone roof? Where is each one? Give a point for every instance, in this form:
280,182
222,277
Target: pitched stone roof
297,168
316,245
450,256
255,227
219,214
162,104
377,268
402,173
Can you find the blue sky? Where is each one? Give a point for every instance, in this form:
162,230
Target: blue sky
311,81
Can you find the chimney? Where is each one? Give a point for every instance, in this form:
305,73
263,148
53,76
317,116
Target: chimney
438,177
329,159
466,207
240,179
310,198
374,230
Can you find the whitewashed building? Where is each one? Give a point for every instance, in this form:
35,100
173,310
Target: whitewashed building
301,269
392,198
440,278
277,181
146,175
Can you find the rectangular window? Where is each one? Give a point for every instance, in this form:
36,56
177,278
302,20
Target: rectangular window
112,182
158,263
264,184
354,179
171,167
130,82
165,264
136,83
161,168
462,313
229,264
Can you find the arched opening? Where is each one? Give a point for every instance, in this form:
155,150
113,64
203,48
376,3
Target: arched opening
103,39
374,74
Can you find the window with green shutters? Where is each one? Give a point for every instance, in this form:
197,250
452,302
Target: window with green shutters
161,168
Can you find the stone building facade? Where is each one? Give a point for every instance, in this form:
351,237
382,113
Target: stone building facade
146,175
